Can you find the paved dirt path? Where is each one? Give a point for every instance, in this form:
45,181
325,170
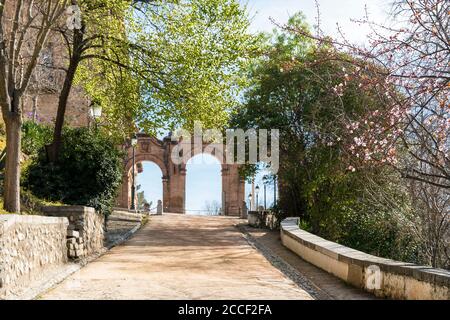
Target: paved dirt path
181,257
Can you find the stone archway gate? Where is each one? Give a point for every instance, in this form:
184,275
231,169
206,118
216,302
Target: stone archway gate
174,177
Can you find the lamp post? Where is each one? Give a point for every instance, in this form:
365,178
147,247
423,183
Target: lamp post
95,111
133,186
257,199
265,178
265,206
275,191
250,201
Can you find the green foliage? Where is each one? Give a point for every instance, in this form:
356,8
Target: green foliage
199,49
164,64
292,92
35,136
32,205
88,172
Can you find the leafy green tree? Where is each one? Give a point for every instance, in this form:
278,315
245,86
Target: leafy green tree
20,21
292,92
157,64
203,45
97,31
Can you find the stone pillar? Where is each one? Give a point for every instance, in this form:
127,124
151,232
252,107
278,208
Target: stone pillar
166,194
177,189
124,197
234,188
159,208
244,210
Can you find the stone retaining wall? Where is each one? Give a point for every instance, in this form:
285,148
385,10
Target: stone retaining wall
29,245
383,277
86,232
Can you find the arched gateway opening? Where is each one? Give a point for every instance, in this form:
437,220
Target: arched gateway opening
203,185
149,188
174,177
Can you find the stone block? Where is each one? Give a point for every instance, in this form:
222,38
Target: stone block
86,226
355,276
73,233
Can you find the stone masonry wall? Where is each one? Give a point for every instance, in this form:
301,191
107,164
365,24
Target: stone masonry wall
40,101
383,277
85,234
29,245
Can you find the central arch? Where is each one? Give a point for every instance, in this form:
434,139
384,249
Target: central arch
203,185
174,176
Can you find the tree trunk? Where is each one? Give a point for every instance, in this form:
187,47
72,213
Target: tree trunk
11,196
35,107
54,148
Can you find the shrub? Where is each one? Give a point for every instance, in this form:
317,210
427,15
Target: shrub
88,171
32,205
34,137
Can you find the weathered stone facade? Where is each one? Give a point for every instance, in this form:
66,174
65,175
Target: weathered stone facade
40,101
29,245
86,232
174,176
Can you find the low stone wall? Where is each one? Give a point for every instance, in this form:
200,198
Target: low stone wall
29,245
86,232
383,277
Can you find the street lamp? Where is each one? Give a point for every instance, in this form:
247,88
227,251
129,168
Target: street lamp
265,185
95,111
134,142
250,201
274,191
257,200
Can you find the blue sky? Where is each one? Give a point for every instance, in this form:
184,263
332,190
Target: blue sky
203,181
332,12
